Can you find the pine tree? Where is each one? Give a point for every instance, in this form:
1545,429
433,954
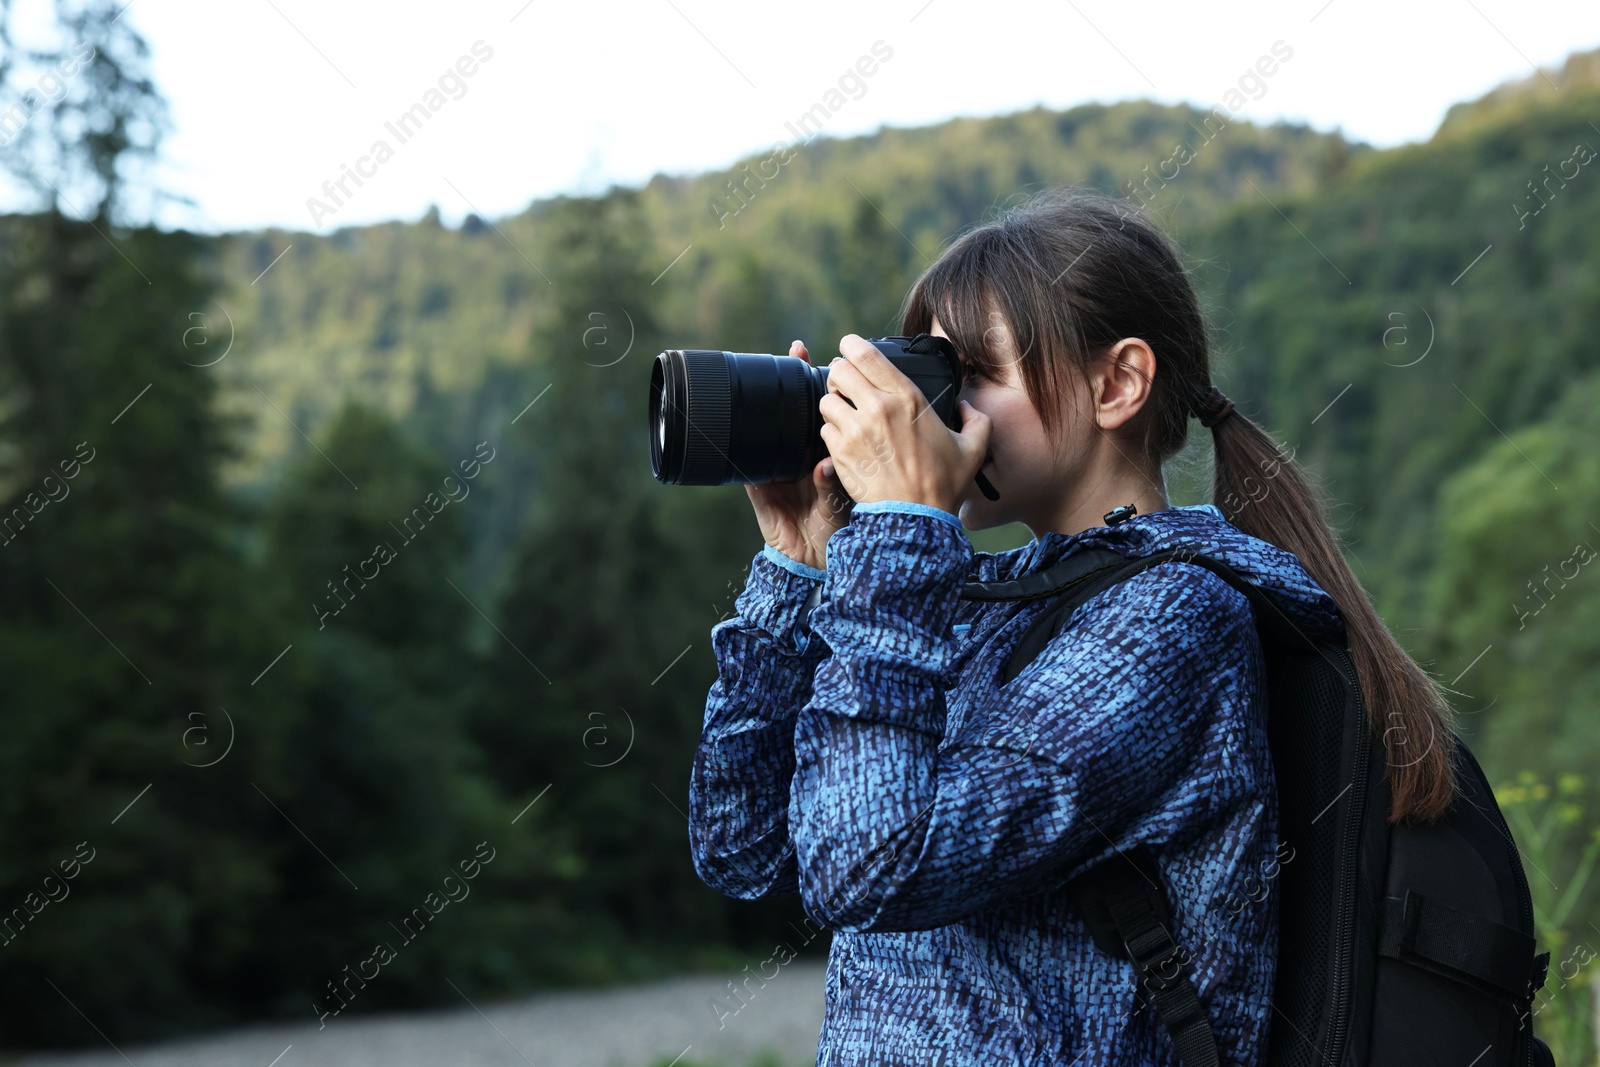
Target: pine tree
600,681
366,546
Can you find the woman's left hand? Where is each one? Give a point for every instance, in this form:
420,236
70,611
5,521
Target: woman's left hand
883,448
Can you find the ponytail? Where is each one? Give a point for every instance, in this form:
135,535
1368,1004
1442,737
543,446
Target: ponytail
1266,494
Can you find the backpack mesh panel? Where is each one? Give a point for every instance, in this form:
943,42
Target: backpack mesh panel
1306,728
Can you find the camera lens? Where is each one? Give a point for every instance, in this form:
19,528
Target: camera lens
720,417
734,417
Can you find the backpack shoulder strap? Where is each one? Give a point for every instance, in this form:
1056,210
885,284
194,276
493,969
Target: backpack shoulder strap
1122,903
1054,579
1082,575
1120,898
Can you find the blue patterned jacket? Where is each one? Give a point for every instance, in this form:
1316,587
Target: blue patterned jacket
861,753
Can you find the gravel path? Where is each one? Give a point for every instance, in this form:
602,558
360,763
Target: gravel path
631,1026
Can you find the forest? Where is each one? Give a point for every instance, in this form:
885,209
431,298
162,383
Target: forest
352,538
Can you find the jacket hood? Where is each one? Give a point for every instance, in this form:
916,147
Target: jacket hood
1199,528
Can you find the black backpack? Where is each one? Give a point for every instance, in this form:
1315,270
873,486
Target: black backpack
1399,945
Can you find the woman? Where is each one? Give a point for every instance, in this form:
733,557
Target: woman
862,752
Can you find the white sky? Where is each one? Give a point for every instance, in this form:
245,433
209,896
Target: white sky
270,98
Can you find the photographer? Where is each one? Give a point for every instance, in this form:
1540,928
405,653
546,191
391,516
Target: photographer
863,751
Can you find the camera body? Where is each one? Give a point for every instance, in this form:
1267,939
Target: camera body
744,417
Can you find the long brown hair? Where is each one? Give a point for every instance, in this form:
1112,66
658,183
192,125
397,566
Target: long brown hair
1072,272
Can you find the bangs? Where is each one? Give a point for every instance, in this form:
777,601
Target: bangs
953,291
981,282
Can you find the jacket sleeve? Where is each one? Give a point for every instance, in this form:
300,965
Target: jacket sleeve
898,827
739,787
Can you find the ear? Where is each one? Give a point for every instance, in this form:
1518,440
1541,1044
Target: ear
1122,380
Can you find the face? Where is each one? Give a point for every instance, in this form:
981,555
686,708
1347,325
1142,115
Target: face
1031,475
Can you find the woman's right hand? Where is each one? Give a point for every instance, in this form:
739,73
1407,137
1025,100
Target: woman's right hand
797,518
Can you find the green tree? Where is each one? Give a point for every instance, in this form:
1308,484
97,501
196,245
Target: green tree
601,671
1515,579
128,640
128,629
378,770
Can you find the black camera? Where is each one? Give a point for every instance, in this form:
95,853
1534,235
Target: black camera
744,417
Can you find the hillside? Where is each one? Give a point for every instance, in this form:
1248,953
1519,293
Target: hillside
413,315
434,326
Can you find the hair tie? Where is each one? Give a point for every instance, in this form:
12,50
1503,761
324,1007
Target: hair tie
1212,407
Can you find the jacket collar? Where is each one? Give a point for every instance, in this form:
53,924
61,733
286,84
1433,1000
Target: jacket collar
1199,528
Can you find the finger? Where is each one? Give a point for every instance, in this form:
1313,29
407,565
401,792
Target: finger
833,440
845,378
974,420
975,430
798,348
874,366
826,485
837,412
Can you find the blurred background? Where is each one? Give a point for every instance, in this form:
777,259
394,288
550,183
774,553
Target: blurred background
339,610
